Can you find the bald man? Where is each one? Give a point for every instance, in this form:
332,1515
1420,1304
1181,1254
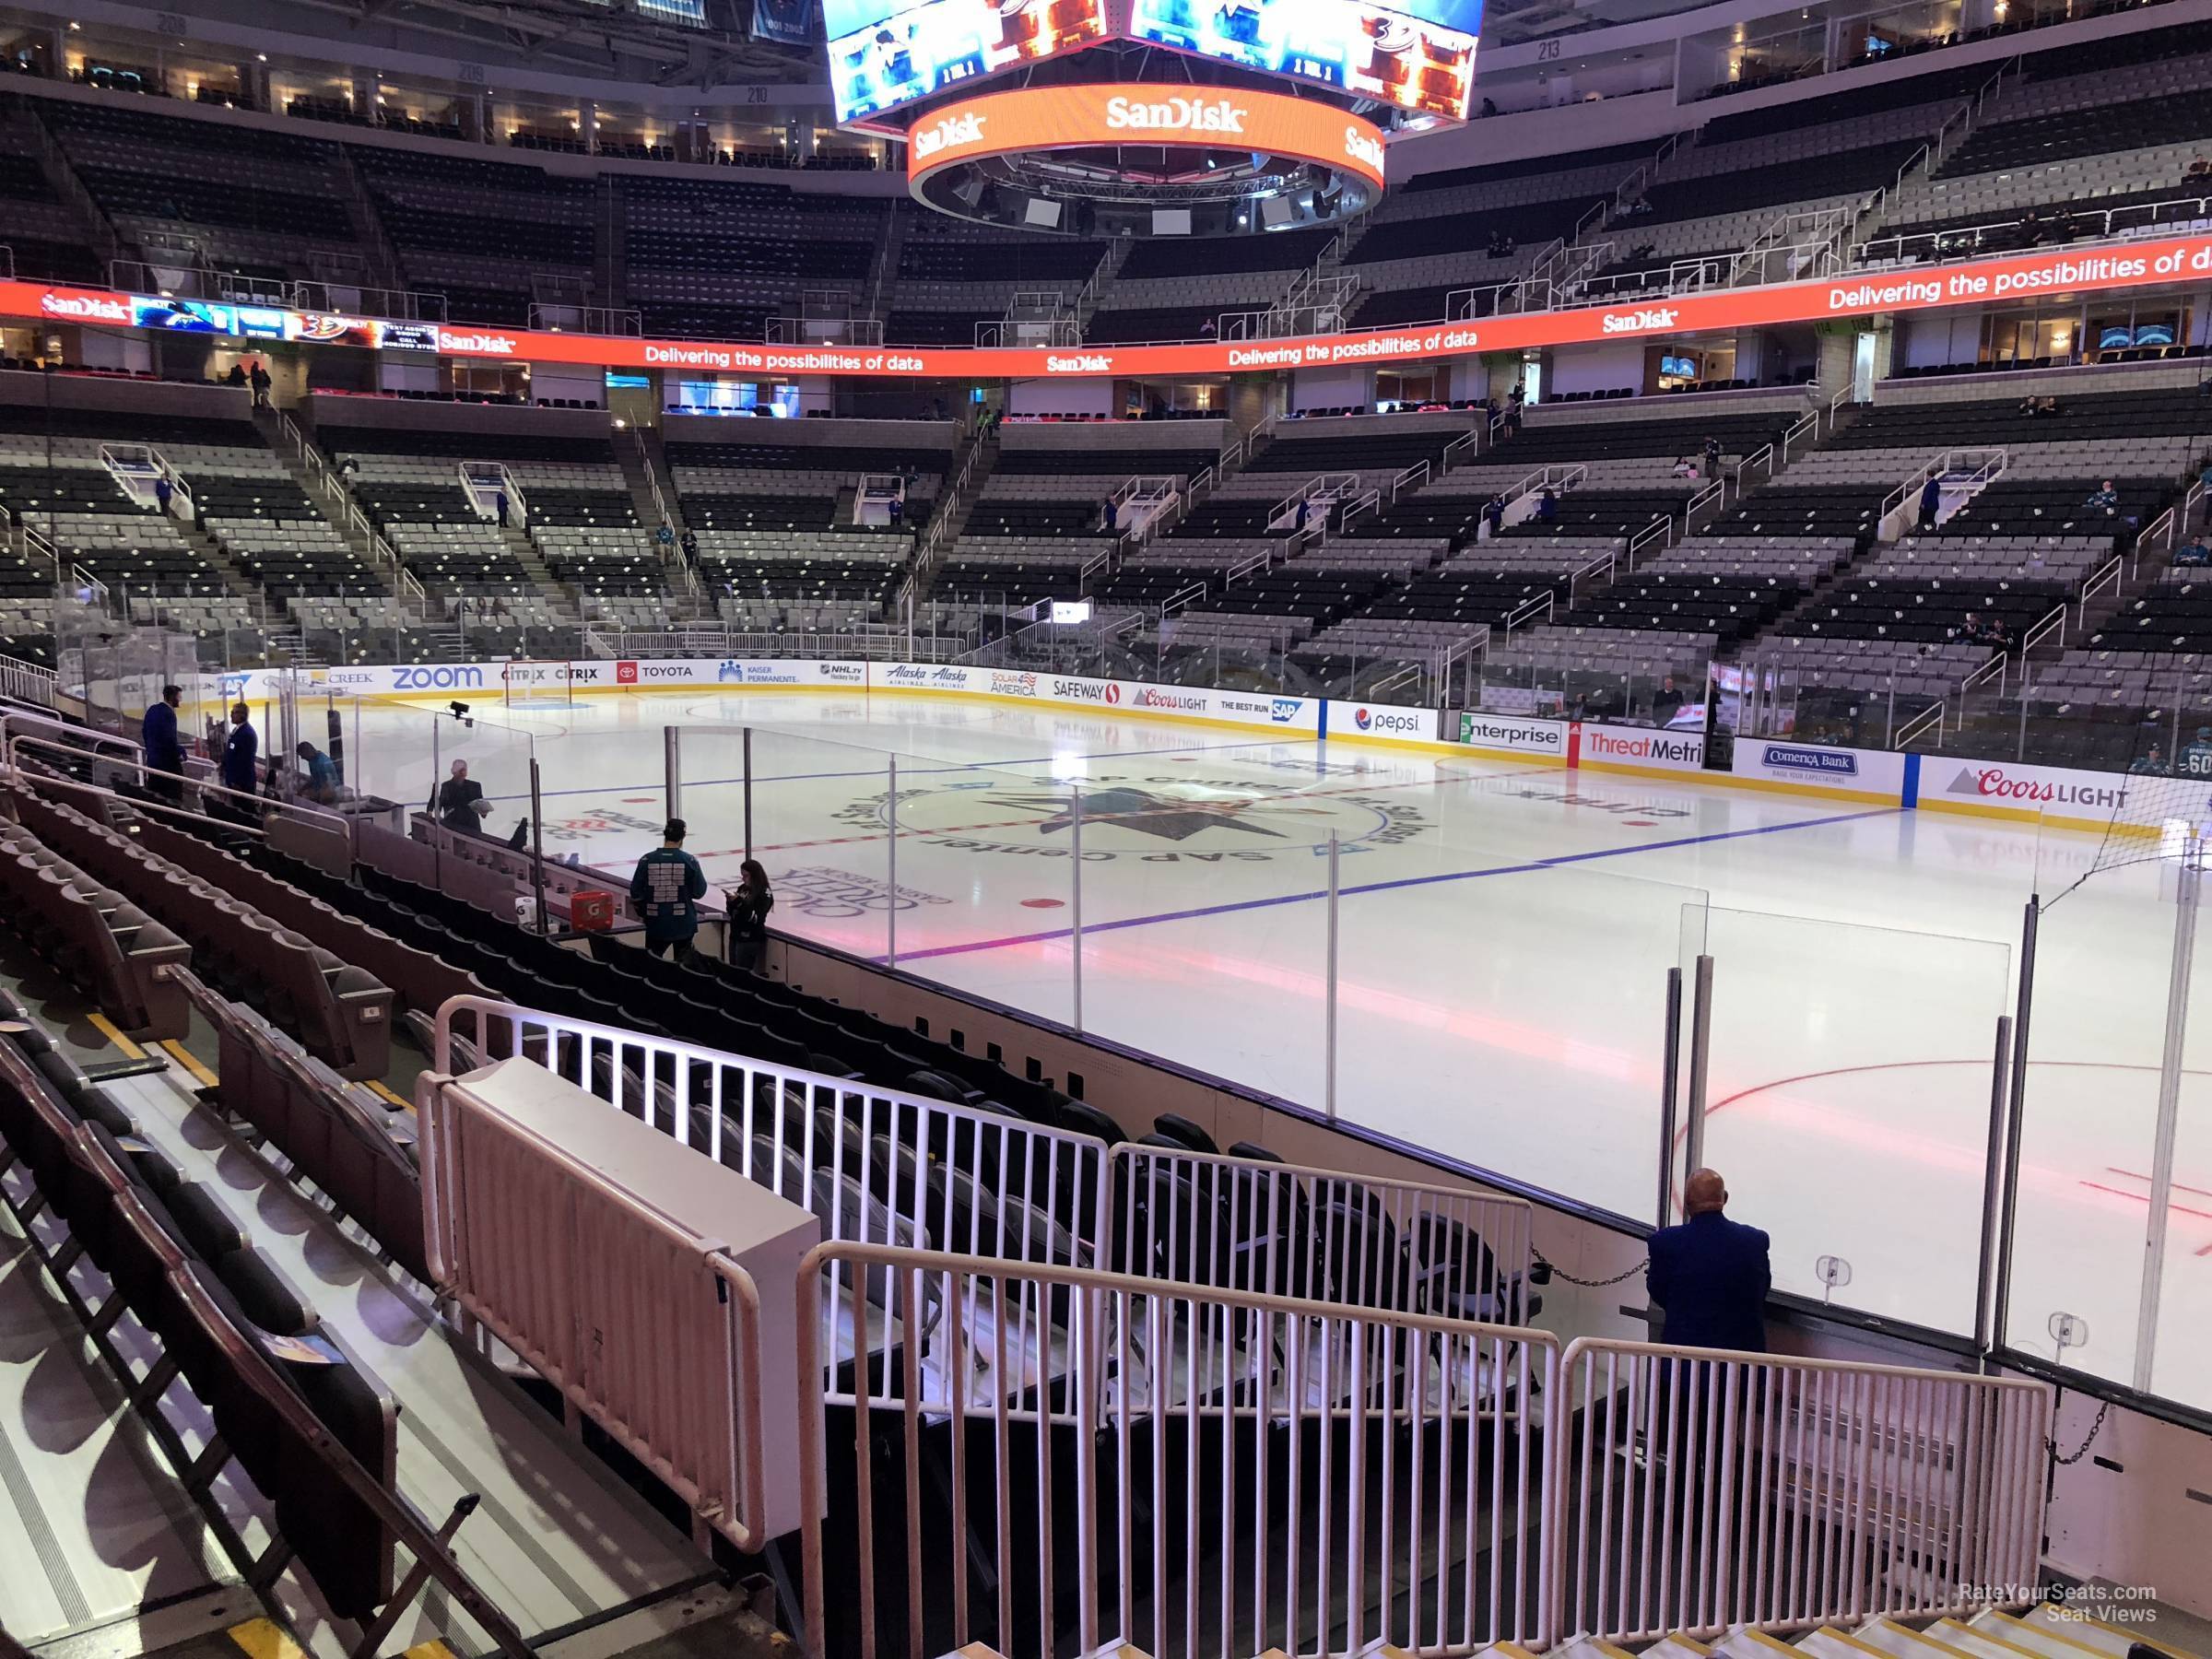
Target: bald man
1710,1275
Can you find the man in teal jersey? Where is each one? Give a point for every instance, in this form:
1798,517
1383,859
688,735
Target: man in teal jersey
665,890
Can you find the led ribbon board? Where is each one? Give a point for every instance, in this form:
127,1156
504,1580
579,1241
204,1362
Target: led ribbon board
1061,118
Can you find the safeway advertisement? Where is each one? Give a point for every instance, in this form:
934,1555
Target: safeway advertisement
2090,271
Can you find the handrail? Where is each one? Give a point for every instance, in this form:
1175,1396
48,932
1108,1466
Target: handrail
1996,666
1659,530
1715,492
28,682
2053,620
1981,466
1791,1462
1468,441
1914,726
1113,1360
2105,575
1522,614
1808,424
257,804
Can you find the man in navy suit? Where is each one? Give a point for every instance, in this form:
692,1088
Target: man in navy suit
1710,1275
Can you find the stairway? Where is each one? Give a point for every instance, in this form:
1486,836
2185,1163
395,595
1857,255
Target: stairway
207,548
524,551
644,470
610,264
949,520
883,275
354,533
381,258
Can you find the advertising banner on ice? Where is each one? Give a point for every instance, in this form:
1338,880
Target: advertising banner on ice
2059,795
1872,773
1381,720
1639,746
1514,734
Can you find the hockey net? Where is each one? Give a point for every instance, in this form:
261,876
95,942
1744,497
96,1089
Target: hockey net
536,683
2162,809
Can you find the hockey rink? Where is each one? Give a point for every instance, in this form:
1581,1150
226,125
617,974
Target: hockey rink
1503,932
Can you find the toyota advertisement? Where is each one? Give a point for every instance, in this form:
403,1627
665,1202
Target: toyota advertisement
883,56
1419,56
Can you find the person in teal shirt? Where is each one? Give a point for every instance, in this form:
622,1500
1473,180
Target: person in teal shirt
665,890
322,773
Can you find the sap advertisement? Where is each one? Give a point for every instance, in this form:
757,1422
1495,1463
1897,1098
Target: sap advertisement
1417,54
883,54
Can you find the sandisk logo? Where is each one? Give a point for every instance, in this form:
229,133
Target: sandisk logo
1359,146
949,130
1634,322
84,307
1090,362
1177,115
492,345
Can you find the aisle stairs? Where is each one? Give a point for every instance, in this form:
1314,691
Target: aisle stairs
2048,1631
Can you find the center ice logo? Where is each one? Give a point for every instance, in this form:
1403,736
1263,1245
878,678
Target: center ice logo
1151,819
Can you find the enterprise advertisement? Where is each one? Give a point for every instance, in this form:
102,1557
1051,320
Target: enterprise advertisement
1419,56
881,56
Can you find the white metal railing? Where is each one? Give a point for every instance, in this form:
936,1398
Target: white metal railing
652,482
663,1352
2004,235
28,682
1251,1224
483,482
1917,726
1188,1471
2106,576
1659,530
1970,468
1461,451
2054,623
886,1167
131,763
1805,427
1707,1491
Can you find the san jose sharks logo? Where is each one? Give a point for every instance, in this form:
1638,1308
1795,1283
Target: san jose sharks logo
1204,821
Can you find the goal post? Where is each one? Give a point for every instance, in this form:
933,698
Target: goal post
539,683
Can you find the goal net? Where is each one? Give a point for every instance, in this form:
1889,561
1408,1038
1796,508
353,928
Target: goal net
2162,809
534,684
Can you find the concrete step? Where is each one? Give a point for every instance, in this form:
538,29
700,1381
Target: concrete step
1901,1641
